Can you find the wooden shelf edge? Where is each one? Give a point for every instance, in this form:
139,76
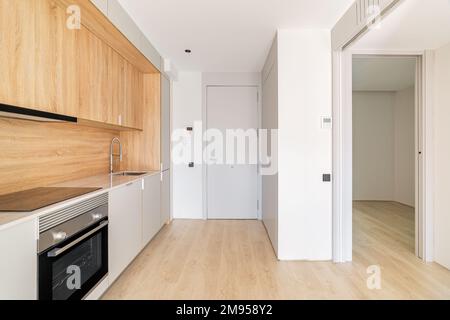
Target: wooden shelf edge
107,126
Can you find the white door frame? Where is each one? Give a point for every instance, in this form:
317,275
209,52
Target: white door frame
205,169
342,153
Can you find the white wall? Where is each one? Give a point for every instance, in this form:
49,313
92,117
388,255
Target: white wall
384,146
189,105
442,156
373,146
187,182
404,147
304,96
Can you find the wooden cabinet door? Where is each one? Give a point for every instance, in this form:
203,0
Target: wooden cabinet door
151,208
125,91
93,77
125,227
56,74
133,97
46,66
17,53
116,81
138,99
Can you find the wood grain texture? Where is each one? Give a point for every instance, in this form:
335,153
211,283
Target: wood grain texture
56,69
47,66
131,110
94,20
142,149
116,80
93,77
17,45
234,260
38,154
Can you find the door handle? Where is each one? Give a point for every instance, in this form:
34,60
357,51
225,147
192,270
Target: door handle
58,251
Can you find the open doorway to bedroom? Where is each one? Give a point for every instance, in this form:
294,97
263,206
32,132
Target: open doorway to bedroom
385,162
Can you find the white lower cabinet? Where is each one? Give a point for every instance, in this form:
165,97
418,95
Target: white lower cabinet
124,233
151,208
18,265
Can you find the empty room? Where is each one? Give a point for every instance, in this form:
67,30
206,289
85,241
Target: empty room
384,153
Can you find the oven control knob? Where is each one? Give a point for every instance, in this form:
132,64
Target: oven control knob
97,216
59,236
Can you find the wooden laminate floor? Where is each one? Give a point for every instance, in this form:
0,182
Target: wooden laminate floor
235,260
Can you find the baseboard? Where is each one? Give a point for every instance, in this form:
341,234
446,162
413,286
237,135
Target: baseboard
392,201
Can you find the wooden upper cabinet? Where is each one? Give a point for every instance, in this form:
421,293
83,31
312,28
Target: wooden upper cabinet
56,70
17,47
93,77
134,96
110,86
116,83
44,65
137,98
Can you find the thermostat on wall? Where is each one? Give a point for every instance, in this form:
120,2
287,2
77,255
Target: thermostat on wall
326,122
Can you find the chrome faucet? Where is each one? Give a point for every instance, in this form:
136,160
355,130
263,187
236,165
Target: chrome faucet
112,155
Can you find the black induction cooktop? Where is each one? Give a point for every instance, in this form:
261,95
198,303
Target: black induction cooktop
34,199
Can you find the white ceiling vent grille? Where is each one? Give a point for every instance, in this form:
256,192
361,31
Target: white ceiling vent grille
367,10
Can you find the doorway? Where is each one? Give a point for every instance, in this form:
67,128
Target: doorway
232,184
343,152
385,140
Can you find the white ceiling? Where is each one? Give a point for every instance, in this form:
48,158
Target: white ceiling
226,35
414,25
383,73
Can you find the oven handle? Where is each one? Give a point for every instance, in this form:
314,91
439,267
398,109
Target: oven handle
58,251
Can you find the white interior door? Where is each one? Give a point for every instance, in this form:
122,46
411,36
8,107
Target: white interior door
231,188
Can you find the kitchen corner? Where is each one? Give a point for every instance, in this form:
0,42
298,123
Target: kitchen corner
132,215
62,205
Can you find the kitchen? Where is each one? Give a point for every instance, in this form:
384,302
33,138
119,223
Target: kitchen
85,129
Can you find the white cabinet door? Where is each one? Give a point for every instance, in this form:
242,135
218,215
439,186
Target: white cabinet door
165,197
150,52
232,187
151,208
102,5
165,123
18,265
120,18
125,233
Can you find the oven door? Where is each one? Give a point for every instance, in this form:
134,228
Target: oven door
70,270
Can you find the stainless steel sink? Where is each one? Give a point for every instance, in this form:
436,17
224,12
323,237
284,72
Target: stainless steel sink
129,174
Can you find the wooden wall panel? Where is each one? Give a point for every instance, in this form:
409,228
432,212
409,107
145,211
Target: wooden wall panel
37,154
142,149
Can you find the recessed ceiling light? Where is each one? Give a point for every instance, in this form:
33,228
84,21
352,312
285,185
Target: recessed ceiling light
188,51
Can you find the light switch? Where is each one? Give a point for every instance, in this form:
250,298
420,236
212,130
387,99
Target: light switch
327,122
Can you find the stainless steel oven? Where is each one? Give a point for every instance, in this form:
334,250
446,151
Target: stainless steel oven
73,250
